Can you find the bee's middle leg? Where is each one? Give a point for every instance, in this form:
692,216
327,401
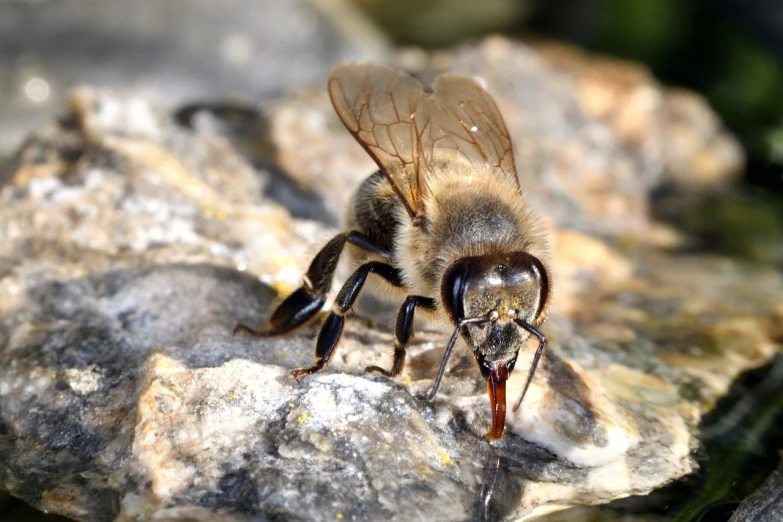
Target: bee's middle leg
403,331
332,329
302,306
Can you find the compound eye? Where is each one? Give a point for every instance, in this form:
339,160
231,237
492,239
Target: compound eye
453,290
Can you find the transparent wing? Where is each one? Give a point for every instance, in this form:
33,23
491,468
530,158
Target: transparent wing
459,122
409,133
377,105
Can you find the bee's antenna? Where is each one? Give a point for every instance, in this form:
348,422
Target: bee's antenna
536,357
449,348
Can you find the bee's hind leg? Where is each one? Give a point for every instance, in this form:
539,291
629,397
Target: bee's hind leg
403,331
302,306
332,329
297,310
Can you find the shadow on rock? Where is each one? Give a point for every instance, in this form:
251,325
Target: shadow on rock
247,128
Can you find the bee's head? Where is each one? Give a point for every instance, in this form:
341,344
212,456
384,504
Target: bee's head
509,291
502,288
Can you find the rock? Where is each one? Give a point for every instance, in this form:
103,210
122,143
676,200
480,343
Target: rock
765,504
584,265
675,127
127,244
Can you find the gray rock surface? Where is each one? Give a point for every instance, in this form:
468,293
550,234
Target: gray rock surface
130,246
765,504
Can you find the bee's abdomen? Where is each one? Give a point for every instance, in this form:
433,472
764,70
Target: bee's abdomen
373,211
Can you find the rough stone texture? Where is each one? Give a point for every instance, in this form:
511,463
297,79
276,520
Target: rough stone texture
765,504
130,246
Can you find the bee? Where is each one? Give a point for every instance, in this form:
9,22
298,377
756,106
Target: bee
443,220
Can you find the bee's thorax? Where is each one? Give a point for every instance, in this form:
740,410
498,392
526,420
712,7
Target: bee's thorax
469,214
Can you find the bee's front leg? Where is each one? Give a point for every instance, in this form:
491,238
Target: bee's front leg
302,306
332,329
403,331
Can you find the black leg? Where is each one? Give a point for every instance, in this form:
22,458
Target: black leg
536,357
403,332
303,305
332,329
449,348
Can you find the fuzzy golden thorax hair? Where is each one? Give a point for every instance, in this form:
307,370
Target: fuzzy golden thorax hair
470,213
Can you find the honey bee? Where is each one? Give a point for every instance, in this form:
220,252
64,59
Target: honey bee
443,220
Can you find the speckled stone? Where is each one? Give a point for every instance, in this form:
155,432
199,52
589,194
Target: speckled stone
131,244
